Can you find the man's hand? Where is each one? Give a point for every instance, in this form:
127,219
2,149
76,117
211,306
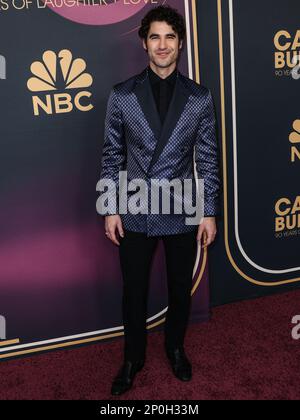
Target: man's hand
207,230
113,224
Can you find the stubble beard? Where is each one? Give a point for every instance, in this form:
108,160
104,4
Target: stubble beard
162,64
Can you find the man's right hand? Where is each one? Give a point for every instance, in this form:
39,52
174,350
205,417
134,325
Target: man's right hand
113,224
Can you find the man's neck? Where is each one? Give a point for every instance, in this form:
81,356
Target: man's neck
163,73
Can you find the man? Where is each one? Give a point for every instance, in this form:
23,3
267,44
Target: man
155,122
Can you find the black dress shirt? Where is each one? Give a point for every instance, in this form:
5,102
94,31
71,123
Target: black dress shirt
162,91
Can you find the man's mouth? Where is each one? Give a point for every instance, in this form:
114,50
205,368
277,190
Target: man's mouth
163,55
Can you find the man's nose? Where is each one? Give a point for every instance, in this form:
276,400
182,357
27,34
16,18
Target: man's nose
162,44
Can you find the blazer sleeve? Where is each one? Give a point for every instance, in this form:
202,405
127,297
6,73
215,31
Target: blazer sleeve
207,159
114,149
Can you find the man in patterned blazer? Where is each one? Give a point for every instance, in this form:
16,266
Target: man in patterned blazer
156,124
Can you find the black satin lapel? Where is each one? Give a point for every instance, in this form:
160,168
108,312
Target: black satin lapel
146,100
177,105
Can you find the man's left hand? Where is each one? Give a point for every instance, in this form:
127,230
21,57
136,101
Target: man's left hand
207,231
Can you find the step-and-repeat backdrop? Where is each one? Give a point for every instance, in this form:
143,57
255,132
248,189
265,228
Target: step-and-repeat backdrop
249,55
60,277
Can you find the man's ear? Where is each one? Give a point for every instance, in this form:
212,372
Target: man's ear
145,45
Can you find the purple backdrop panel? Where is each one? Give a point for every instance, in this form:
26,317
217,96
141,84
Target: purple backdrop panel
60,276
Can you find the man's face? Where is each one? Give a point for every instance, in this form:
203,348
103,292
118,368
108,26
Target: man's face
163,44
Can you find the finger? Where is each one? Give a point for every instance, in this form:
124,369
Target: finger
112,236
213,237
120,229
210,238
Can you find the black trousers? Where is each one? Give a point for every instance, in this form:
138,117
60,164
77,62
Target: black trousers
136,252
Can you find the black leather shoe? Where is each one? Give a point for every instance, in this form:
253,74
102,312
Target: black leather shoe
124,379
180,364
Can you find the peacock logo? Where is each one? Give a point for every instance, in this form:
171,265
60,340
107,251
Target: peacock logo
56,73
295,135
295,140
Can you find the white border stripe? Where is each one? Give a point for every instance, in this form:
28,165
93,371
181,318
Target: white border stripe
234,113
189,40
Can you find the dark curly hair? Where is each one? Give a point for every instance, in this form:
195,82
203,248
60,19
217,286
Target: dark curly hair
163,14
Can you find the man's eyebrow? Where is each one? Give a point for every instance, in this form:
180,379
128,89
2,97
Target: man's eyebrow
170,34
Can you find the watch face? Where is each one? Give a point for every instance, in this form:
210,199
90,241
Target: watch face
98,12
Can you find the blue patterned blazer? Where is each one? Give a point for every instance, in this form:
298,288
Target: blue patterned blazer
135,141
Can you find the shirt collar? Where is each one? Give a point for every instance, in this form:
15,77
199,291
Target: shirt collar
154,78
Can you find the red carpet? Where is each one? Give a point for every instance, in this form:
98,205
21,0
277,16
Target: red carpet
245,352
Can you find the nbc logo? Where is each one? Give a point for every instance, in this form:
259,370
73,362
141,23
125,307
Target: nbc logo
56,73
295,140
